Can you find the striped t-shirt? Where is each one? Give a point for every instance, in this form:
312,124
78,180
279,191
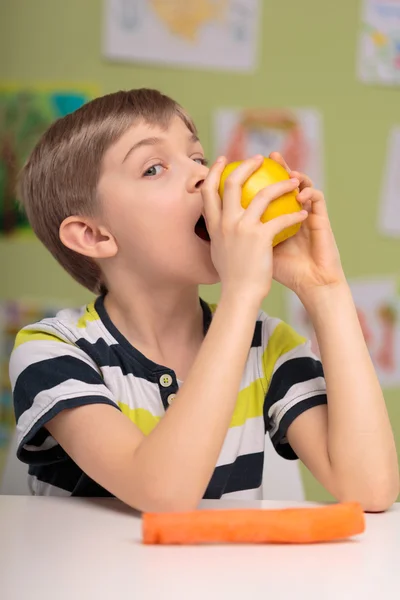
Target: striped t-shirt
79,358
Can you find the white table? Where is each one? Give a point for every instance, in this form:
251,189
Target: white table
80,549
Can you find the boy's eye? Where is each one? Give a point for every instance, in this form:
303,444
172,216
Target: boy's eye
153,170
201,161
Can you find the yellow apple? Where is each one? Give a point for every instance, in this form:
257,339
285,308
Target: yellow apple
269,172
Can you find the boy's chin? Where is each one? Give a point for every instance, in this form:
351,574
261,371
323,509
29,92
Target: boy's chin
210,279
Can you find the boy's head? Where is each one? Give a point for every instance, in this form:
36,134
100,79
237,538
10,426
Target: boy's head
113,190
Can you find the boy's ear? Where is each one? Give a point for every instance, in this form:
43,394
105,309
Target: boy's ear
84,236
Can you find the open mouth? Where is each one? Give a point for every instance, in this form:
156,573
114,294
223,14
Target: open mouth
201,229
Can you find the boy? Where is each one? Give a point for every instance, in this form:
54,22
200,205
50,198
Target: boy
149,393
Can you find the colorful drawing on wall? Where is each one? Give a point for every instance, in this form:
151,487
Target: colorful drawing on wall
378,307
379,42
25,113
14,315
296,133
389,206
210,34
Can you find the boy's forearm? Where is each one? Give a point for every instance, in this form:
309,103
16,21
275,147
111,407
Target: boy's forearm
361,446
174,464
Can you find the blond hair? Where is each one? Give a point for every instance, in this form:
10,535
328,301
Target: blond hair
61,175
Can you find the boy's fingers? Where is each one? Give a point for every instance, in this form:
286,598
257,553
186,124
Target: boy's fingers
277,156
233,186
305,181
209,191
265,196
313,199
280,223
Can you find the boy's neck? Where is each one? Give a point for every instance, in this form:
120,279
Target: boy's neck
161,324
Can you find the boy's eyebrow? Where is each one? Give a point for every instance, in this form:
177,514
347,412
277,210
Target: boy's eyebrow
153,141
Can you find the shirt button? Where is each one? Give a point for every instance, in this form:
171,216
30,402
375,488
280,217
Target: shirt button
171,398
165,380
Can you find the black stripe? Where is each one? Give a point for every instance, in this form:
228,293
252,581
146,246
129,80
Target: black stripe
35,434
88,488
284,449
41,437
64,475
207,315
132,362
243,474
116,355
68,476
257,337
295,370
45,375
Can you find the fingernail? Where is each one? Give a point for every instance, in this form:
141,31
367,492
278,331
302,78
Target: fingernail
259,157
220,159
295,182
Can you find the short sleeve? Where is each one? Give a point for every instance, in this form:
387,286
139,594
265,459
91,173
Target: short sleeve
295,381
48,374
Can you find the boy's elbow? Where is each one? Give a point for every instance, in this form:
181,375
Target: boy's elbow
168,505
378,497
163,501
380,500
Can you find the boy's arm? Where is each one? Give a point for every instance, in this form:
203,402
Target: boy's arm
348,445
171,467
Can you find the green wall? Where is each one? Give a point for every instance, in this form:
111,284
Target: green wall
307,59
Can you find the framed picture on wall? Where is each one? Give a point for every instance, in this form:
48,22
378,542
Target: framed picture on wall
378,58
294,132
205,34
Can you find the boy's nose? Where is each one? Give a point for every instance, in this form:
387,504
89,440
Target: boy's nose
196,180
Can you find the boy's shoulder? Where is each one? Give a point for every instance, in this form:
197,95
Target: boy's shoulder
68,325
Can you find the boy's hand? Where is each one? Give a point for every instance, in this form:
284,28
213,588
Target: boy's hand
241,245
310,259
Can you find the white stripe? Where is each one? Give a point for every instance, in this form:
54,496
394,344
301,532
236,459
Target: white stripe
36,351
47,399
252,370
71,315
65,324
245,439
94,331
48,443
297,393
254,494
135,392
40,488
269,326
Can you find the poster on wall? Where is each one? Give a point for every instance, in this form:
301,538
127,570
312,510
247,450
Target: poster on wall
14,315
295,133
389,206
379,42
378,307
206,34
25,114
